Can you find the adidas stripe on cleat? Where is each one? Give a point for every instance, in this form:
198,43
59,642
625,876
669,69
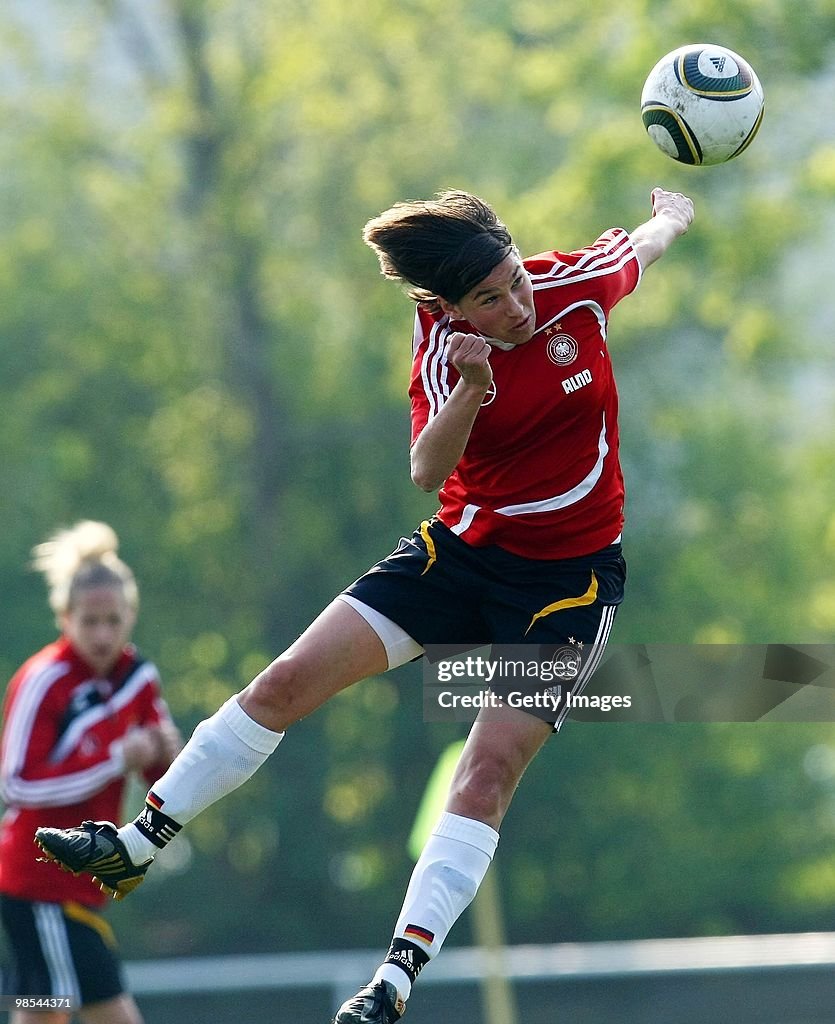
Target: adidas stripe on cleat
94,849
377,1004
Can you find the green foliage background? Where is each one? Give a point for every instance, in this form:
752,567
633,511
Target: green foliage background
196,347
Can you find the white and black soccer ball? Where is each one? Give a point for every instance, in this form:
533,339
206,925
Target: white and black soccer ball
702,104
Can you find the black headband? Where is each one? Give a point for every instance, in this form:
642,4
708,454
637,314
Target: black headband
461,272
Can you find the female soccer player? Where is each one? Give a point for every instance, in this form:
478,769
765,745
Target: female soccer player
79,717
514,418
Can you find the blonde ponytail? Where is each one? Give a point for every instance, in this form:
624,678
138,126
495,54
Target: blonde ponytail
79,558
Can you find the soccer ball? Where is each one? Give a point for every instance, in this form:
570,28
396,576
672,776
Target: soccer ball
702,104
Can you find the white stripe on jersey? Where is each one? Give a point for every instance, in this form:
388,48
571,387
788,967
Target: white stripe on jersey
558,501
53,792
124,695
67,789
23,712
594,263
433,367
567,498
595,307
466,520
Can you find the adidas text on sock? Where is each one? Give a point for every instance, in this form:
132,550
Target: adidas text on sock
408,956
154,825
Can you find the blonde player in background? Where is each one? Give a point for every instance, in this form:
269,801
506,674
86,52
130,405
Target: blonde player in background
80,716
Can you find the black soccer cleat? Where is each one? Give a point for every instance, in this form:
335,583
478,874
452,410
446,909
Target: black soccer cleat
96,849
377,1004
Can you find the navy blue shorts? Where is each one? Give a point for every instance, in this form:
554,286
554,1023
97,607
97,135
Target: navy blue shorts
59,949
445,592
441,590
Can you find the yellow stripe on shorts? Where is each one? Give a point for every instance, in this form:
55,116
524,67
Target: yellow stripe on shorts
84,915
430,546
589,597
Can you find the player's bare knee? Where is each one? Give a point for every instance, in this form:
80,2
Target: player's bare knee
483,789
279,690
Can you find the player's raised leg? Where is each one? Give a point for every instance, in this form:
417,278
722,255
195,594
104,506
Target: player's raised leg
338,649
455,859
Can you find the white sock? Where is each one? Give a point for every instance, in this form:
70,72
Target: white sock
223,752
446,877
140,849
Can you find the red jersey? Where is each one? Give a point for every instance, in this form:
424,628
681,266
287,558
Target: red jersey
540,475
61,760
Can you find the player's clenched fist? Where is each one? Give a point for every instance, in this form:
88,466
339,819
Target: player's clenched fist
470,355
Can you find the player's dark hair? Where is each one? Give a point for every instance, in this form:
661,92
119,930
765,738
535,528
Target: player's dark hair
439,248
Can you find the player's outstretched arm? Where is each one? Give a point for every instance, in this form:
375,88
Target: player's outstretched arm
672,215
